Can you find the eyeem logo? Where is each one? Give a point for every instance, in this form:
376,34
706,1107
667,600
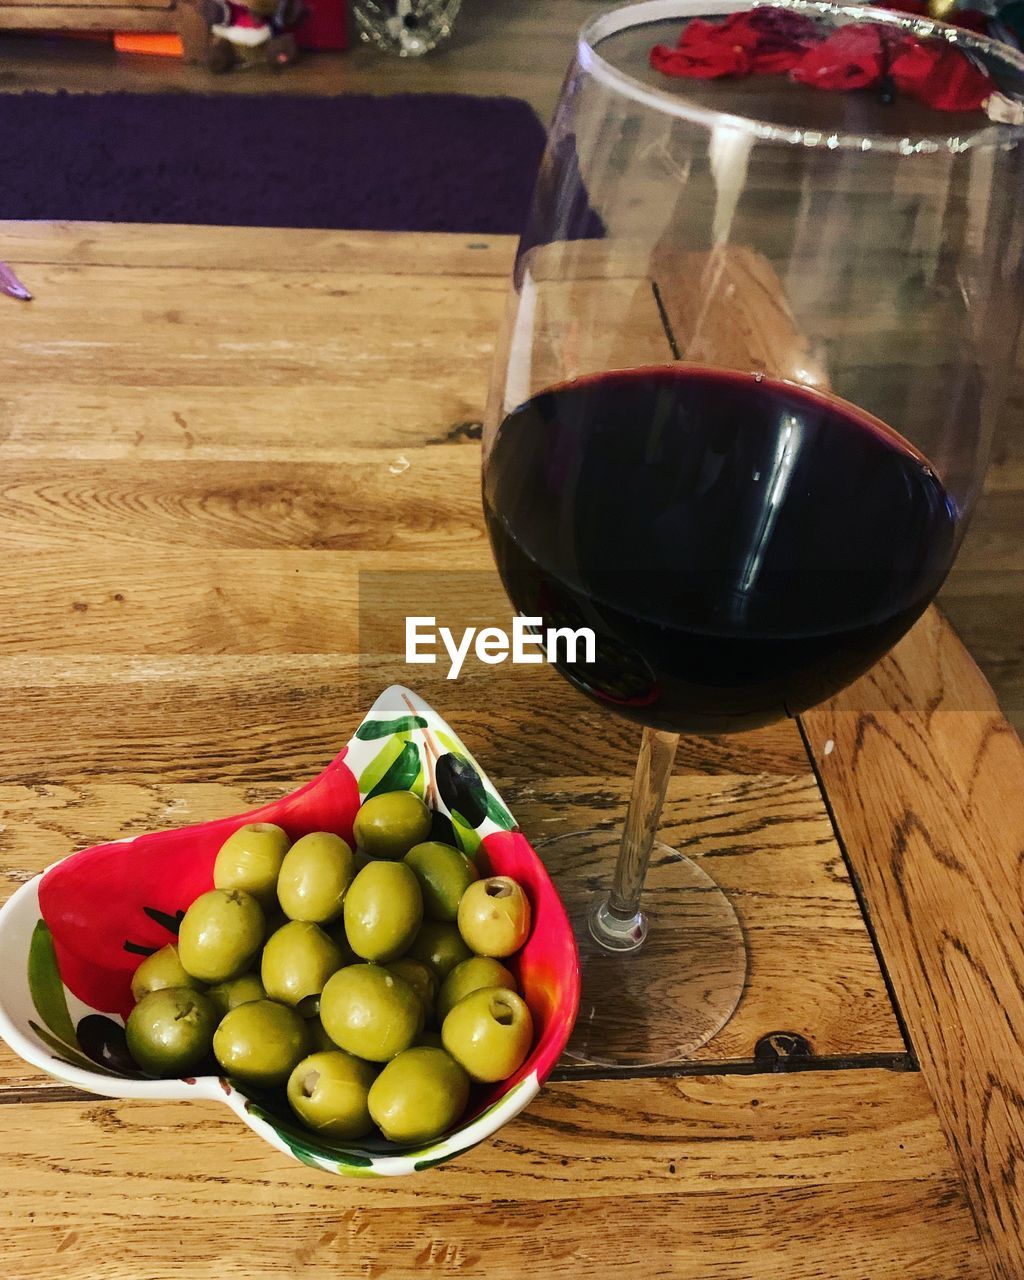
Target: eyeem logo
529,643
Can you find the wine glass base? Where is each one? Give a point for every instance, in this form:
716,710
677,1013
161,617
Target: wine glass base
658,1002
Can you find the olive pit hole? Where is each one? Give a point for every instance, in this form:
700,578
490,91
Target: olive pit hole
309,1083
498,889
502,1012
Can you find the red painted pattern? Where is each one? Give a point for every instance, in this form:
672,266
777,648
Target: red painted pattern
548,967
94,902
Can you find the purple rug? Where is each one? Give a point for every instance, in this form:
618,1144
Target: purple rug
405,163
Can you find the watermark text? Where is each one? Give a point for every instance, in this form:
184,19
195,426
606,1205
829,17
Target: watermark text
530,642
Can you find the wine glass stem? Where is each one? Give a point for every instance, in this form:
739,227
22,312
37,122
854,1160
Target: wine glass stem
616,921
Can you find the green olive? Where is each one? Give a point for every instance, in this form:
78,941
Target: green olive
383,910
250,859
170,1030
297,961
162,969
260,1042
236,991
219,935
444,873
422,979
388,825
328,1092
370,1013
418,1095
494,916
315,876
489,1032
471,975
440,947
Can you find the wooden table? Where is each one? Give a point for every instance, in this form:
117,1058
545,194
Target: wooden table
216,480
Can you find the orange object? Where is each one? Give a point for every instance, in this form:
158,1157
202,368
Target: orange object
160,44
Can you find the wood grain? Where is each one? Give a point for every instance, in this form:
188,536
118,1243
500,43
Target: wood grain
248,718
357,504
711,1166
924,776
139,246
193,616
255,600
281,422
420,317
164,378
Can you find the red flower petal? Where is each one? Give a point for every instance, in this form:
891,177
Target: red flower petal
770,41
942,78
849,59
774,41
782,40
776,62
737,29
704,62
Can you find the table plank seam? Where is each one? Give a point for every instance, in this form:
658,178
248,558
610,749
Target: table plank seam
740,1067
862,902
697,1067
669,334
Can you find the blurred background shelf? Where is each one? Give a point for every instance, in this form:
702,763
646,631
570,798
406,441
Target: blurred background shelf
180,17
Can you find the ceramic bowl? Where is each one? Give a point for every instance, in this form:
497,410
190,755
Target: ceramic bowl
71,938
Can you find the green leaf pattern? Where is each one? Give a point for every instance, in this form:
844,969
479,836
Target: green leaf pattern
497,812
468,839
395,750
370,729
401,773
46,988
380,764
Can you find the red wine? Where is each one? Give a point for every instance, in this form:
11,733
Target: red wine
742,548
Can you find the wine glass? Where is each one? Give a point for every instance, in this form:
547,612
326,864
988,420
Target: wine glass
757,338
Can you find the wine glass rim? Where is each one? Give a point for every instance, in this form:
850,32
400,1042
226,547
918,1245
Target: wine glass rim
990,137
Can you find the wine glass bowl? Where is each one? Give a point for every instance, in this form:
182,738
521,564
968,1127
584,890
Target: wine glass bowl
757,338
701,552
